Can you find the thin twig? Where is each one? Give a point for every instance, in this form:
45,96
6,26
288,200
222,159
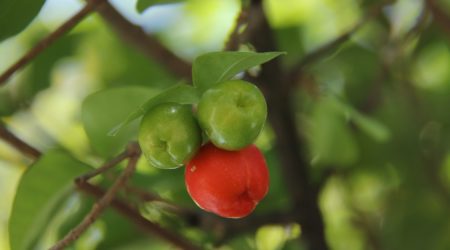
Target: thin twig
101,204
134,216
50,39
147,44
19,144
105,166
439,15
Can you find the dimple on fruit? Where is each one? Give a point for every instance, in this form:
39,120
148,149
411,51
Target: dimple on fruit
227,183
169,135
232,114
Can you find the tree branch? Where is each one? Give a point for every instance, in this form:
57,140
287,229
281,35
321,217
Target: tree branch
134,216
234,39
294,164
105,200
441,18
18,144
146,44
50,39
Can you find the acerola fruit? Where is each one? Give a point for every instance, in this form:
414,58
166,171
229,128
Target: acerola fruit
227,183
169,135
232,114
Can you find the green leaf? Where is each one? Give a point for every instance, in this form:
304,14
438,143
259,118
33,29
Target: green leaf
215,67
180,93
103,110
39,190
15,15
373,128
332,142
378,131
142,5
273,237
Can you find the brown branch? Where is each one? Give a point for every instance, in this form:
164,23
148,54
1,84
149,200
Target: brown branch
440,16
134,216
103,202
49,40
295,167
127,153
19,144
146,44
234,39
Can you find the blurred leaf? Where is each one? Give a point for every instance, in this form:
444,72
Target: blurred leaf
39,191
376,130
180,93
15,15
278,198
19,96
142,5
105,109
417,219
332,142
273,237
215,67
7,104
44,62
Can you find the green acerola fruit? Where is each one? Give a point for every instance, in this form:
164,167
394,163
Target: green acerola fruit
232,114
169,135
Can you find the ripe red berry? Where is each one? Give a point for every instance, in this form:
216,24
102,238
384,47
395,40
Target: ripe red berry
227,183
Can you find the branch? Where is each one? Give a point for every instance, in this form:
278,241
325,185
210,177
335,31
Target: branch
102,204
234,39
134,216
295,167
127,153
148,45
18,144
441,18
50,39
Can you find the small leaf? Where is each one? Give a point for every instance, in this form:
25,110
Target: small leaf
103,110
373,128
332,142
142,5
39,190
15,15
180,93
215,67
378,131
273,237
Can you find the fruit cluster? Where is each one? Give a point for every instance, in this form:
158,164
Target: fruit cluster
228,175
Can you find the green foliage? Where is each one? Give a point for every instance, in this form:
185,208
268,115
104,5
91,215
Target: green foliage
373,111
142,5
103,110
39,191
273,237
15,15
215,67
180,93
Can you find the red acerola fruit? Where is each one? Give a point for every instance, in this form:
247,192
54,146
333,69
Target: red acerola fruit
227,183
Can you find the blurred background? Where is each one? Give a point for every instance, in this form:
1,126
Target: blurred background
373,110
